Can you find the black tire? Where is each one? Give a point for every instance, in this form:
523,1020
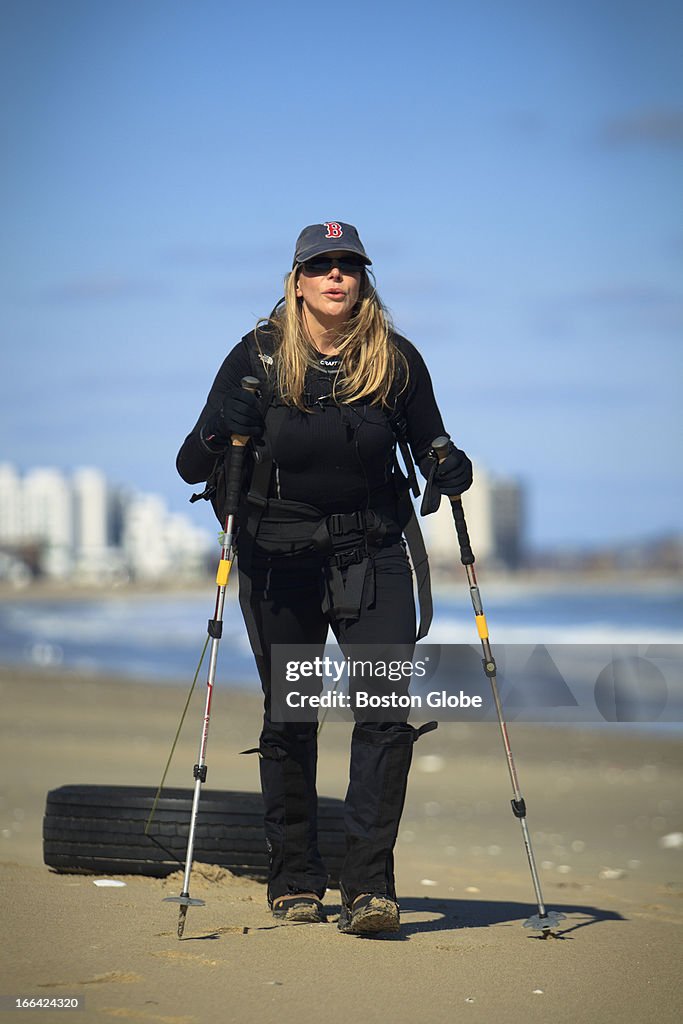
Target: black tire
101,830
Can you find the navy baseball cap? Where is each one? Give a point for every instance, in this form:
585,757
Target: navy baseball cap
331,236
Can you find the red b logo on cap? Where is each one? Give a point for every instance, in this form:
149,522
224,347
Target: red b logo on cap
334,230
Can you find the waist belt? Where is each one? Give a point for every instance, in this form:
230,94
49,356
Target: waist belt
293,527
347,541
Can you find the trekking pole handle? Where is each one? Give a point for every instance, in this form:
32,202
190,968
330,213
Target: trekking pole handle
238,443
247,384
440,449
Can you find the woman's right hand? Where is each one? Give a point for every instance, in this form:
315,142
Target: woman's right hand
239,414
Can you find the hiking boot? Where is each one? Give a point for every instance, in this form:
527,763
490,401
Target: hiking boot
369,914
299,908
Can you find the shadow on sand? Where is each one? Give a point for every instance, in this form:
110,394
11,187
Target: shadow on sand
449,915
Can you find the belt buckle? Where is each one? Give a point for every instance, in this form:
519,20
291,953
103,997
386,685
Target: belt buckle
343,559
341,523
334,524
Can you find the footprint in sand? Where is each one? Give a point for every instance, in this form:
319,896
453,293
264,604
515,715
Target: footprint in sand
195,958
121,977
124,1012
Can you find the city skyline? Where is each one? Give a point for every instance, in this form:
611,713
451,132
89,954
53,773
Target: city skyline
81,525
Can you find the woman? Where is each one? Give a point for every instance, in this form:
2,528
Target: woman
321,544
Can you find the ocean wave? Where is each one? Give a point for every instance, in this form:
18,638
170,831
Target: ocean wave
446,630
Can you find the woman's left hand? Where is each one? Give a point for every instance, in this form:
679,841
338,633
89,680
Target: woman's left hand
454,474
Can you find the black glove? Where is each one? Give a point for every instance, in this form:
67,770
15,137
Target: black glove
452,476
240,414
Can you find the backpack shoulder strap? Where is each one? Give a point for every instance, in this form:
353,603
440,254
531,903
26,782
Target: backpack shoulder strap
261,345
405,483
397,422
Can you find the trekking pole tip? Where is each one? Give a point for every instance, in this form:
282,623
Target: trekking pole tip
545,923
185,901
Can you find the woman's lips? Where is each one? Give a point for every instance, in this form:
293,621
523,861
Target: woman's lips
334,293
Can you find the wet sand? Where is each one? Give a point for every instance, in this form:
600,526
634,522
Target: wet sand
604,808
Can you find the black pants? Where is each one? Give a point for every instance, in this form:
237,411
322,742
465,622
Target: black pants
283,605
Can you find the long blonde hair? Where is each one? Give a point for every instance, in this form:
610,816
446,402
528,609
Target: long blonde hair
370,363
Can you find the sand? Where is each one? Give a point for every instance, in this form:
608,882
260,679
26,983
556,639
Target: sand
601,804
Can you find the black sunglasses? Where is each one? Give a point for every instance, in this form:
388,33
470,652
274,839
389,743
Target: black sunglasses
323,264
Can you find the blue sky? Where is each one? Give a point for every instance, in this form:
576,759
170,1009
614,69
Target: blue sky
514,170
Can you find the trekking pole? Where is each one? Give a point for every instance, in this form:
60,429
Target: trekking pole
545,920
215,630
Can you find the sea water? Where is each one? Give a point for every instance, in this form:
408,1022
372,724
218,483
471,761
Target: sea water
161,637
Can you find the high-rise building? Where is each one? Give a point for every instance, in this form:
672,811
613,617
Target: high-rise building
47,515
144,544
11,525
159,544
91,513
507,513
494,514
